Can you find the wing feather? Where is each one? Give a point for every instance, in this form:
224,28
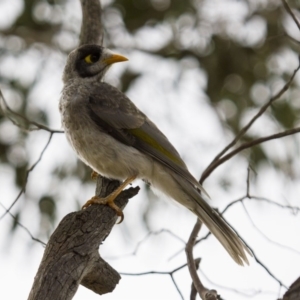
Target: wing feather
114,113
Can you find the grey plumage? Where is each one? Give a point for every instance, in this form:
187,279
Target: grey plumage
112,136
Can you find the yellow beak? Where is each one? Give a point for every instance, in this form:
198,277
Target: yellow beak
114,58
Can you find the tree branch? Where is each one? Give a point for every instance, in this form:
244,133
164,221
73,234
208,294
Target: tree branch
91,28
22,226
289,11
17,118
204,293
211,167
248,145
23,189
170,273
71,256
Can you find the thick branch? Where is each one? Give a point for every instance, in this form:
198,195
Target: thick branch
293,292
71,256
91,28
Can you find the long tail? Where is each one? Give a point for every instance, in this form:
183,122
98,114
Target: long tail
214,222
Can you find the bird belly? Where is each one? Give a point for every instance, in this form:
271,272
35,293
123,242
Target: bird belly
107,156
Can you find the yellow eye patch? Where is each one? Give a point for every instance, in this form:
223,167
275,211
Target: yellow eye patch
91,58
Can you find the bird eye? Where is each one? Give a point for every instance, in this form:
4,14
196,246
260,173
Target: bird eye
91,58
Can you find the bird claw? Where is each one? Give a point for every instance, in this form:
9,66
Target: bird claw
109,200
94,175
105,201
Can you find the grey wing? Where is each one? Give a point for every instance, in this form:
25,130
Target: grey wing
111,110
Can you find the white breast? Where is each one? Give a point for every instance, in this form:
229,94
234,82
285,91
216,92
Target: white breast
100,151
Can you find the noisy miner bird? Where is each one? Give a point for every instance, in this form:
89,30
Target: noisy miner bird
112,136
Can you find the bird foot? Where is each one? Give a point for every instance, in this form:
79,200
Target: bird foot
109,200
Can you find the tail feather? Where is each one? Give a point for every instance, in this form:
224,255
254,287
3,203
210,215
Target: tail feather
215,223
223,232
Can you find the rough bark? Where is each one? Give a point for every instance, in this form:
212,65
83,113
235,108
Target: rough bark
293,292
91,27
71,256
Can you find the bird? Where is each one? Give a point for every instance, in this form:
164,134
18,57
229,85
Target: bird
117,140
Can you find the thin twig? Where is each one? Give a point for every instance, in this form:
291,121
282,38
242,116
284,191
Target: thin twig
264,235
247,196
176,286
170,273
215,161
24,227
295,209
248,181
267,269
250,145
244,293
292,39
260,263
289,11
23,189
7,110
143,240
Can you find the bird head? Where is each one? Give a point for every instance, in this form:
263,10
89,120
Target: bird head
90,61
